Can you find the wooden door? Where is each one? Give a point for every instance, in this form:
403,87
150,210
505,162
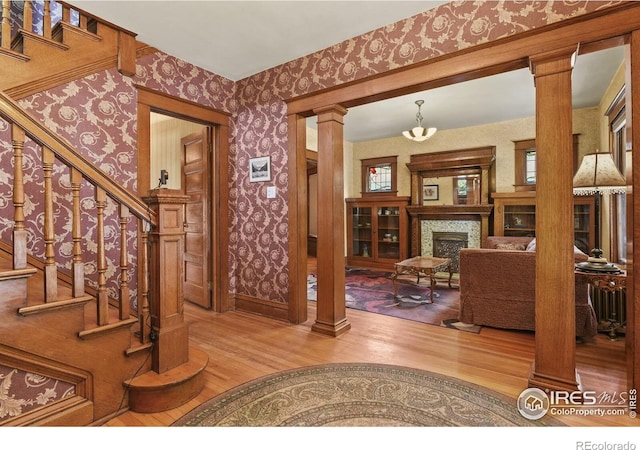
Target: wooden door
196,184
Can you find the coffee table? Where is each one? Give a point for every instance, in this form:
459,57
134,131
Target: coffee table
421,266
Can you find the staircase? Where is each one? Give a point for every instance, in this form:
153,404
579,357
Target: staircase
92,336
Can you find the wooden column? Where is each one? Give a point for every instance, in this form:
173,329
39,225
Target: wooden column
331,313
298,219
166,274
555,284
632,111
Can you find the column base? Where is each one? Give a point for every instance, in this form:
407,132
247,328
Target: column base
331,329
551,383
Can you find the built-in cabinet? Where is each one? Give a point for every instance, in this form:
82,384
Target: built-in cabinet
377,231
515,215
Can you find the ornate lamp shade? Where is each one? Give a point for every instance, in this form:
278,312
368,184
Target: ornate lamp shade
598,174
419,133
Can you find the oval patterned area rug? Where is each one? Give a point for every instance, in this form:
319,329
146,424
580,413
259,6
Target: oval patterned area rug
359,394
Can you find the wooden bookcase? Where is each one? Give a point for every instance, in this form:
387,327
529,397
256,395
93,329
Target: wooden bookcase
377,231
514,214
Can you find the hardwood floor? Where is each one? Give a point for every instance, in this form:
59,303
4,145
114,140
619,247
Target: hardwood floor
243,346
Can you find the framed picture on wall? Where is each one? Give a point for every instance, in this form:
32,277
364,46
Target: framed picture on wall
429,192
260,169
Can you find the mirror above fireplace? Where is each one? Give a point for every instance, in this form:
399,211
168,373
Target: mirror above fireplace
450,193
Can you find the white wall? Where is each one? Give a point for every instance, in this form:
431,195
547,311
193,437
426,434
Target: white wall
166,149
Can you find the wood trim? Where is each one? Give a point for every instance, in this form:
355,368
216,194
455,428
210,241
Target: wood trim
632,108
267,308
474,62
298,216
148,101
487,59
65,152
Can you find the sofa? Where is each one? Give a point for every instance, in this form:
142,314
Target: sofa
497,286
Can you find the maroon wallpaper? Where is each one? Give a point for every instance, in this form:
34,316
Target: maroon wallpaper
98,115
262,250
21,392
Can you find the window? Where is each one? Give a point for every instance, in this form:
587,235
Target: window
525,163
379,176
618,143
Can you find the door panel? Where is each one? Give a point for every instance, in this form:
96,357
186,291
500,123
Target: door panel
196,187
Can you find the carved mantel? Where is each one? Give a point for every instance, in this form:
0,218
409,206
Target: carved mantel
477,162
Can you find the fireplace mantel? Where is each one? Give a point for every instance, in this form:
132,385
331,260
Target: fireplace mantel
479,213
450,210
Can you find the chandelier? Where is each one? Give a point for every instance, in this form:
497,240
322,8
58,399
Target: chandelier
419,133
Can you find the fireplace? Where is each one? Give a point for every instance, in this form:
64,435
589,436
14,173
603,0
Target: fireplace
448,245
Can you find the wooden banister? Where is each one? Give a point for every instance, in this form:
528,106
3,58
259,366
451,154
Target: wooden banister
65,152
54,148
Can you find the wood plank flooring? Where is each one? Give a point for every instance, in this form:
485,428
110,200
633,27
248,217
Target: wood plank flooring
242,347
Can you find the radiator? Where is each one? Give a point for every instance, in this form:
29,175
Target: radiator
605,304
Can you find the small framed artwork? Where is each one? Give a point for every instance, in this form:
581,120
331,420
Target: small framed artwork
429,192
260,169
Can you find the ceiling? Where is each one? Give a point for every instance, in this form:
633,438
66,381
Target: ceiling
236,39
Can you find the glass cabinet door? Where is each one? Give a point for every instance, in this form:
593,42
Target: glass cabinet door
519,220
388,232
361,233
582,227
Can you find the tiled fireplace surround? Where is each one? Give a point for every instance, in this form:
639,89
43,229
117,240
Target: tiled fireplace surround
472,229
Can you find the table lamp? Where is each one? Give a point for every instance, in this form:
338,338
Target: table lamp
598,175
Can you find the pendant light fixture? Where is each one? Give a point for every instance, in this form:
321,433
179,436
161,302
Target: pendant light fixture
419,133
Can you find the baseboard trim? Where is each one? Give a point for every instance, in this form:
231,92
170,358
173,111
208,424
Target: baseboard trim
269,308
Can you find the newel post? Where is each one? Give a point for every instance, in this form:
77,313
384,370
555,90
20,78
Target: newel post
166,300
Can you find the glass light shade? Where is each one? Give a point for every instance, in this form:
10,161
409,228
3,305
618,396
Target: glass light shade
419,134
598,173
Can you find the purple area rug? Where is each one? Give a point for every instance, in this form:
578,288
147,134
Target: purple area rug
370,290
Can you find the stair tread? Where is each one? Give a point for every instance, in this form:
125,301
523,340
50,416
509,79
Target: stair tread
151,380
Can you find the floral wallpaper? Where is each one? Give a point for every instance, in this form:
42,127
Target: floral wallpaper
21,392
261,124
97,114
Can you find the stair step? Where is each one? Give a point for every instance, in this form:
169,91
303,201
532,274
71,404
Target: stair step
155,392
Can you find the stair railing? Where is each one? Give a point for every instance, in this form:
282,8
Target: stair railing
57,148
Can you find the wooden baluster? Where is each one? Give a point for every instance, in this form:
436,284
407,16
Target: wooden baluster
46,20
19,233
83,21
143,298
102,296
50,269
66,14
27,17
77,286
124,276
6,25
